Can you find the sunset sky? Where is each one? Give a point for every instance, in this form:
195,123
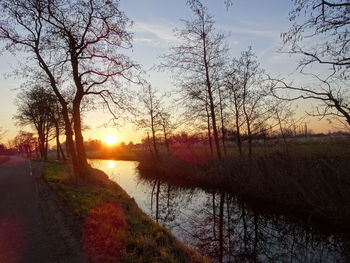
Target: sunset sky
248,23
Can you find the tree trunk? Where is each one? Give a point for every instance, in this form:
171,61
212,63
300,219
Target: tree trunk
46,141
83,171
57,129
156,153
250,140
247,119
209,132
210,95
41,141
223,130
154,142
65,113
149,144
64,158
166,139
238,130
82,165
213,118
282,133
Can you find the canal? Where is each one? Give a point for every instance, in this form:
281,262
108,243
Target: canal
222,227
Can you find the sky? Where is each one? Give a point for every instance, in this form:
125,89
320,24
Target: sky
247,23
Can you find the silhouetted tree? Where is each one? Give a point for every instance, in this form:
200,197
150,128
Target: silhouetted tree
231,83
2,133
35,108
325,25
91,33
23,28
26,143
197,59
150,117
166,126
244,84
77,41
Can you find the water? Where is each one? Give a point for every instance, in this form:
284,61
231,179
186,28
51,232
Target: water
220,226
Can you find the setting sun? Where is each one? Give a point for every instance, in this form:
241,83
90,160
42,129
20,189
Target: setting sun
110,140
111,164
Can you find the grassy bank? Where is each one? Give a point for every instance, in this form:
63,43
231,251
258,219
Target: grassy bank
3,159
139,239
311,181
308,178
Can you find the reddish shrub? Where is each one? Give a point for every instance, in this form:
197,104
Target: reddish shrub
188,154
105,233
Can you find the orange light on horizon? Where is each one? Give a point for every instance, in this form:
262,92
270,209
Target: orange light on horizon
110,140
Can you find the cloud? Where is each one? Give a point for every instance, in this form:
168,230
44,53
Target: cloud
246,28
154,32
143,39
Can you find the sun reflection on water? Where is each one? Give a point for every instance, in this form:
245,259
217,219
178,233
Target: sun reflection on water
111,164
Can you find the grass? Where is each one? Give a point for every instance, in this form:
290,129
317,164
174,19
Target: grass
3,159
145,240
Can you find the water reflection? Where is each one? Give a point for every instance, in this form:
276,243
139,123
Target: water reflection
223,227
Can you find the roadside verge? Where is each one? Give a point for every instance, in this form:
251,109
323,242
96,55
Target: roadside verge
96,206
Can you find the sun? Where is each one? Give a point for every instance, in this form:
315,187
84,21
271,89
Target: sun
110,140
111,164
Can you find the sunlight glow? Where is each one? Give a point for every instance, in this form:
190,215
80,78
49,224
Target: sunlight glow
110,140
111,164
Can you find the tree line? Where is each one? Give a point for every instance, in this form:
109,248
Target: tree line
75,60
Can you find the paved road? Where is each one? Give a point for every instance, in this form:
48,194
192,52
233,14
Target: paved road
33,227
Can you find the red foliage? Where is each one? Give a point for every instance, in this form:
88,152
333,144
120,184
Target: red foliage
105,233
188,154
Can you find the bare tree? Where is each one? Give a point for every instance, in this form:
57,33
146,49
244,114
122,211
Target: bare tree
243,81
332,95
79,39
222,113
198,57
57,121
35,109
150,115
2,133
231,83
22,27
327,24
167,126
26,143
196,105
91,34
282,116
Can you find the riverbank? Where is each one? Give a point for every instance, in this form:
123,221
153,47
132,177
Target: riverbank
109,216
310,187
306,179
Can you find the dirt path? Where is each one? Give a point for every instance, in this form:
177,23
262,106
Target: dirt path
33,224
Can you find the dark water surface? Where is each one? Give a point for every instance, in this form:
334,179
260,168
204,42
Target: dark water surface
220,226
